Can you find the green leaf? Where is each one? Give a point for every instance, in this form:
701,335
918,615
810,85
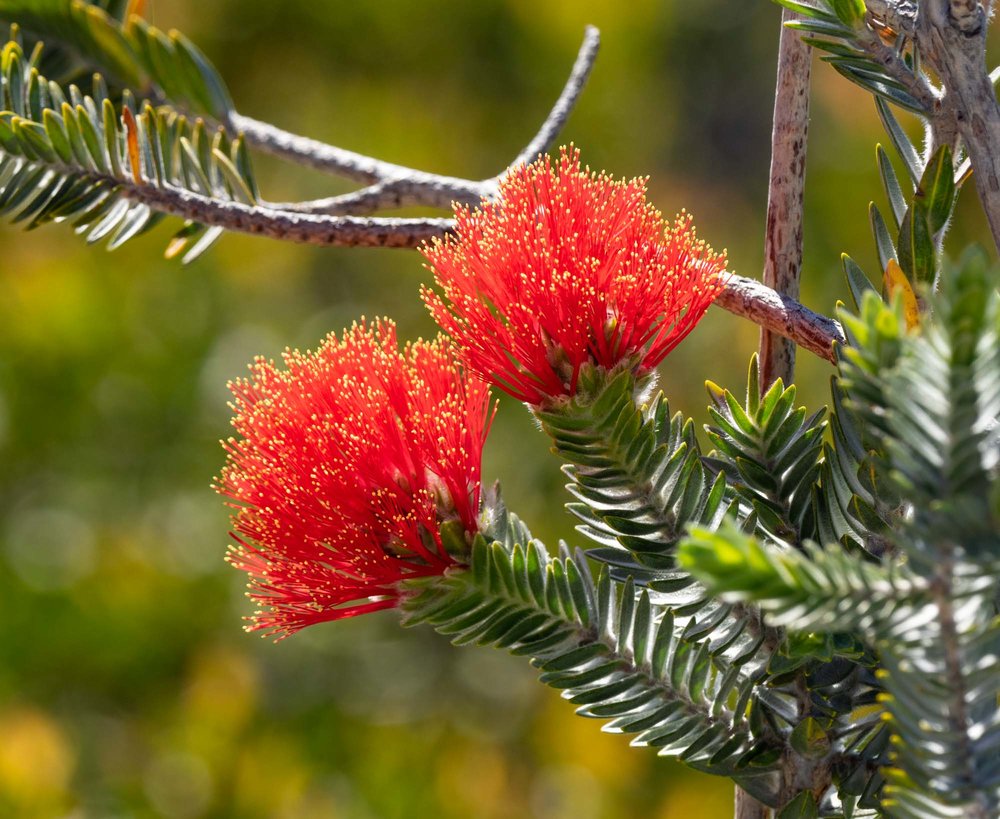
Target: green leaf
822,26
851,12
802,806
936,191
135,54
857,281
55,130
816,9
916,244
810,740
640,673
883,241
900,141
79,157
874,80
771,451
890,183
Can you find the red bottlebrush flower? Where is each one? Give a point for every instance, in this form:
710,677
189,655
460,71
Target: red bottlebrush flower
567,267
347,463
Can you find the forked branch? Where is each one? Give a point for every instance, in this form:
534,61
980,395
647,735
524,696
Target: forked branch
396,186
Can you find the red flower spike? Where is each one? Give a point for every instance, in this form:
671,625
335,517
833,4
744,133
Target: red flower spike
568,267
347,463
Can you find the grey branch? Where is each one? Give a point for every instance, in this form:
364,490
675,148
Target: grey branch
899,16
396,186
291,226
951,35
560,112
782,315
786,187
746,807
418,189
744,297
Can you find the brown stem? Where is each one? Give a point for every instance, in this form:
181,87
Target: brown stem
746,807
783,235
782,315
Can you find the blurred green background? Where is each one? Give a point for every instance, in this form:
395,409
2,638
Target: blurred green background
127,687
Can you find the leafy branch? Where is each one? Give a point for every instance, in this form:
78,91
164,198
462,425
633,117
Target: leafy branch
610,650
883,46
169,69
770,453
930,403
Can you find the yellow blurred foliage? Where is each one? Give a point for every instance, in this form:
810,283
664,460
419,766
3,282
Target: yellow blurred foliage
475,780
222,690
607,756
36,763
271,776
685,800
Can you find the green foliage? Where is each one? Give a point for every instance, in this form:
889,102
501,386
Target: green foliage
66,156
773,475
769,451
637,472
165,67
918,218
823,589
930,401
927,215
640,479
794,485
853,503
838,28
612,652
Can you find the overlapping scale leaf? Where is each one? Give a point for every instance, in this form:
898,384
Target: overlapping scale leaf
931,402
937,641
769,451
71,157
640,481
823,589
943,687
637,472
612,652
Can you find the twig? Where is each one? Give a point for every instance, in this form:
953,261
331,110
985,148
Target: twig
783,234
304,228
916,85
396,186
744,297
560,112
320,156
782,315
898,15
420,189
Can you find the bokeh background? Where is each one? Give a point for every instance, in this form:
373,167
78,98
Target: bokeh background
127,687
